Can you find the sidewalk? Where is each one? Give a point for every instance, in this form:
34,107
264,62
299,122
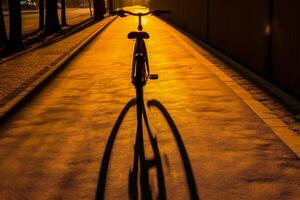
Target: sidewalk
6,12
19,73
53,147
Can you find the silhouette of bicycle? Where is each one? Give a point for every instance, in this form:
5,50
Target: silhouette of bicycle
141,165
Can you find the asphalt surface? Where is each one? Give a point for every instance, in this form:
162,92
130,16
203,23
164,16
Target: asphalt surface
30,21
53,147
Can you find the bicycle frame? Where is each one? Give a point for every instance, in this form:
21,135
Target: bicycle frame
139,76
140,73
140,62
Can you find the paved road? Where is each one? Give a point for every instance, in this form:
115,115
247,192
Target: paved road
31,21
53,147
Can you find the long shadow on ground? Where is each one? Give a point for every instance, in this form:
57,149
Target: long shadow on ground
149,163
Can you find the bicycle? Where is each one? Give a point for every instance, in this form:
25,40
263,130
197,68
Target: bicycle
139,76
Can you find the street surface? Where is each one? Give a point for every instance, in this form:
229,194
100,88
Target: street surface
52,148
30,21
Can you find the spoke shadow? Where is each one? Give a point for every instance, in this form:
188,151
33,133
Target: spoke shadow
184,155
145,166
157,159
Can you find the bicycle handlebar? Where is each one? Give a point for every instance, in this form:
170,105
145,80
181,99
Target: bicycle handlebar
122,13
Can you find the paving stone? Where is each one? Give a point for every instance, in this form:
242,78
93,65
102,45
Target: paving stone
53,147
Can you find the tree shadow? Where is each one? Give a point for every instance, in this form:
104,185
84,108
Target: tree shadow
145,165
39,39
64,33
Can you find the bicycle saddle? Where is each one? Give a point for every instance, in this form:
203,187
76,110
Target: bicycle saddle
135,35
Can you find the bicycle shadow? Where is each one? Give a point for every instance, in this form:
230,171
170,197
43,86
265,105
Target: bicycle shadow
184,155
132,189
108,149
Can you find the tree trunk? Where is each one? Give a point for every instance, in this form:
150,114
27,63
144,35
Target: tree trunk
63,13
110,5
15,24
90,7
42,15
99,9
52,21
3,36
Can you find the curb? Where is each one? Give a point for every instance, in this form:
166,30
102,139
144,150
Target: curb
279,128
6,13
30,90
41,44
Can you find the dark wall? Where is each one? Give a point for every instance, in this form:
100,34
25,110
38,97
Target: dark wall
238,28
196,18
286,44
263,35
124,3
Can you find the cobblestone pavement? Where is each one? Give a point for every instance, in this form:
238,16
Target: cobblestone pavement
18,73
282,106
53,147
